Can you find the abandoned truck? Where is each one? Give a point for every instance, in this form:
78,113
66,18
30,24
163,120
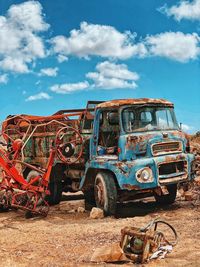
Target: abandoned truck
113,151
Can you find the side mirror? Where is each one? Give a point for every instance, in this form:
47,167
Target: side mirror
180,125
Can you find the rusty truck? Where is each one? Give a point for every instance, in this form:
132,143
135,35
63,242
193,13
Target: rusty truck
111,150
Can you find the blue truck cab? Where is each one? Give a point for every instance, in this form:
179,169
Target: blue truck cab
136,149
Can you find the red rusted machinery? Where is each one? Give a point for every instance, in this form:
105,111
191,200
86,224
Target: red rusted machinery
30,194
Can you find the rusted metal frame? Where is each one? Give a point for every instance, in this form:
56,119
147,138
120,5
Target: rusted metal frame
11,171
136,101
29,166
17,116
31,134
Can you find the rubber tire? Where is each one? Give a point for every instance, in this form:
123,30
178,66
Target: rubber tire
89,199
55,196
169,198
109,189
55,186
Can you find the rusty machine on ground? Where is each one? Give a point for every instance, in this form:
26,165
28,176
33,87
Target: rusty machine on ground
112,151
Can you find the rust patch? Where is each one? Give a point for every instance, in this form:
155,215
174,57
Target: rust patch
134,101
130,187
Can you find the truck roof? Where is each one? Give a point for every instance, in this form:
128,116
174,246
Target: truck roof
134,101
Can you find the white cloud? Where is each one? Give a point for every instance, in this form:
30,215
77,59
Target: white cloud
187,128
4,78
68,88
98,40
51,72
174,45
14,64
106,41
183,10
112,76
20,42
62,58
39,96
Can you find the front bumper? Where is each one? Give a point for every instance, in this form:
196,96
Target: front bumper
170,169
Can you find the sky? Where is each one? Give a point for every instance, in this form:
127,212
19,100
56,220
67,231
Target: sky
59,54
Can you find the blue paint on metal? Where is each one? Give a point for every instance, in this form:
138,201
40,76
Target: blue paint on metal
135,155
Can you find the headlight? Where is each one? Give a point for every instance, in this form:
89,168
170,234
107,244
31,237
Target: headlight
144,175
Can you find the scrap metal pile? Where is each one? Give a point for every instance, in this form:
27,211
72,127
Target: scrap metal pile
31,194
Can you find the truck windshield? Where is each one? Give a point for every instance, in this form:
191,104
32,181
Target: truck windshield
149,119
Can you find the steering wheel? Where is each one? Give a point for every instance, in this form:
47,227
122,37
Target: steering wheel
67,139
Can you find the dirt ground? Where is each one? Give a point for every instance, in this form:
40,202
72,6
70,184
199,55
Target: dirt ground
68,238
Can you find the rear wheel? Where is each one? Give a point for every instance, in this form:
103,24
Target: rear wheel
168,198
105,193
55,185
55,193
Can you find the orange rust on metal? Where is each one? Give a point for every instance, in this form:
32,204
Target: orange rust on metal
172,159
134,101
131,187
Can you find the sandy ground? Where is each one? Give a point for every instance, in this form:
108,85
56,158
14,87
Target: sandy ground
68,238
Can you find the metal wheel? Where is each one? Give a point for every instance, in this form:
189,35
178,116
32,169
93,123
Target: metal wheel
105,193
66,142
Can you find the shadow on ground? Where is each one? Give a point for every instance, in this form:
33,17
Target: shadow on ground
131,208
141,208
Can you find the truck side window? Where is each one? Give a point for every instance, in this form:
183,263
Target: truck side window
109,132
129,120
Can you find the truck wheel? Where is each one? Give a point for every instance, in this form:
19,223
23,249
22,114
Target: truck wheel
105,193
89,199
169,198
55,186
55,196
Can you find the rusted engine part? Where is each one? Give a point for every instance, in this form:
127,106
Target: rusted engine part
139,244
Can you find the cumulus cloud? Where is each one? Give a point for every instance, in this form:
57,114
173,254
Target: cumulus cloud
20,42
187,128
174,45
62,58
51,72
183,10
98,40
109,75
4,78
39,96
68,88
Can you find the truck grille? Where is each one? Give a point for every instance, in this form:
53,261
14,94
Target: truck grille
166,148
171,171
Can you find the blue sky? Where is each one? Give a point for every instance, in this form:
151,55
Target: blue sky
59,54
